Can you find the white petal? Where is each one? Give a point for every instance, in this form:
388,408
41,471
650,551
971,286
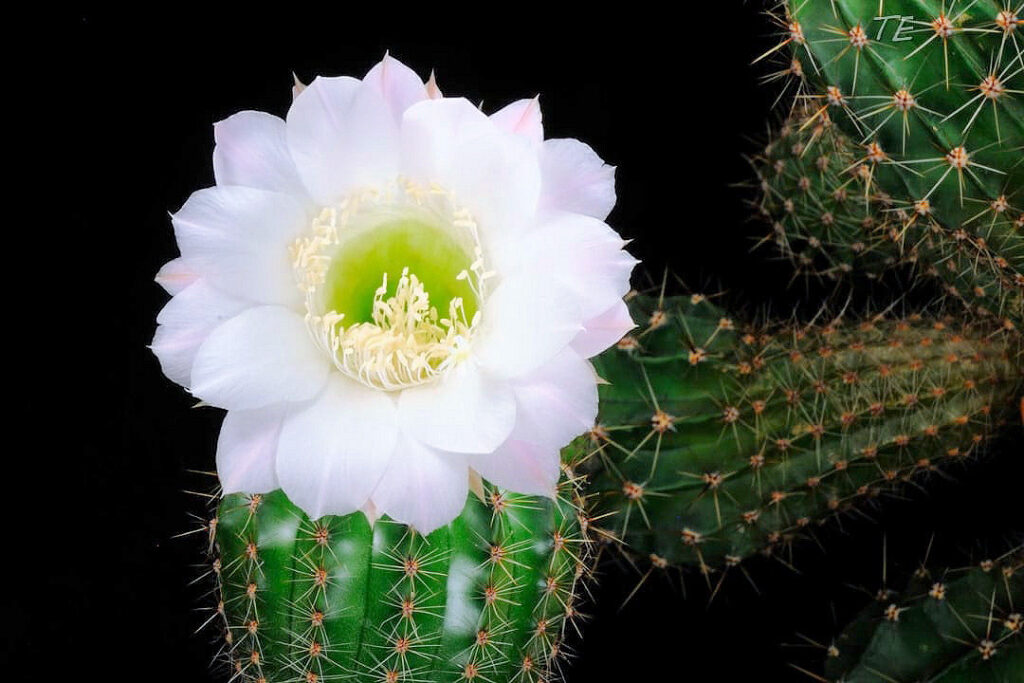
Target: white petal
252,150
262,356
332,453
585,255
246,450
602,331
175,276
185,323
342,137
238,239
421,487
398,85
494,174
521,466
526,322
465,412
576,179
522,118
558,401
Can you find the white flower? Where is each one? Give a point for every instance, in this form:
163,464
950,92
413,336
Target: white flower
390,291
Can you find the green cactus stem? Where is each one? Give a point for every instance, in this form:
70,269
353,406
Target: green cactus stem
490,597
960,625
824,210
715,442
929,98
829,215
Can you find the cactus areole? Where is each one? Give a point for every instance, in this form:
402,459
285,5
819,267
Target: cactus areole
929,98
395,297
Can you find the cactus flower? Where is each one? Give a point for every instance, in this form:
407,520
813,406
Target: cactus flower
392,294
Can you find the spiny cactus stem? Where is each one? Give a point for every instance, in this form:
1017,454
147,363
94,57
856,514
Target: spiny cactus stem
492,596
714,443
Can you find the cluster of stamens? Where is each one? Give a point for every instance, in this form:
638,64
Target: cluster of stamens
407,342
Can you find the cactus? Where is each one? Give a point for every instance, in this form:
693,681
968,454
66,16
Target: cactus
488,597
714,442
959,625
928,97
824,214
829,215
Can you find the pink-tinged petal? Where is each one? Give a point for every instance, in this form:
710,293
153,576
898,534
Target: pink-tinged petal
332,453
252,150
528,321
247,448
464,412
521,466
494,174
398,85
585,255
602,331
557,402
175,276
342,137
238,239
433,90
185,322
522,118
262,356
422,487
297,86
576,179
371,512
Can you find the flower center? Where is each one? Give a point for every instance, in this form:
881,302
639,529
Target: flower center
393,282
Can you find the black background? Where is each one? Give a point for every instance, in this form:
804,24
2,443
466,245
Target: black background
124,103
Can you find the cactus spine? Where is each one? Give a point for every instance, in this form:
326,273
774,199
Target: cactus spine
928,98
955,626
487,598
714,443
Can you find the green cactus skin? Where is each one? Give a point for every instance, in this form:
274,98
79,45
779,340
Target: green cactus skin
829,216
713,443
827,220
957,626
932,104
487,598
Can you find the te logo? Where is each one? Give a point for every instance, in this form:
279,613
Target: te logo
902,24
